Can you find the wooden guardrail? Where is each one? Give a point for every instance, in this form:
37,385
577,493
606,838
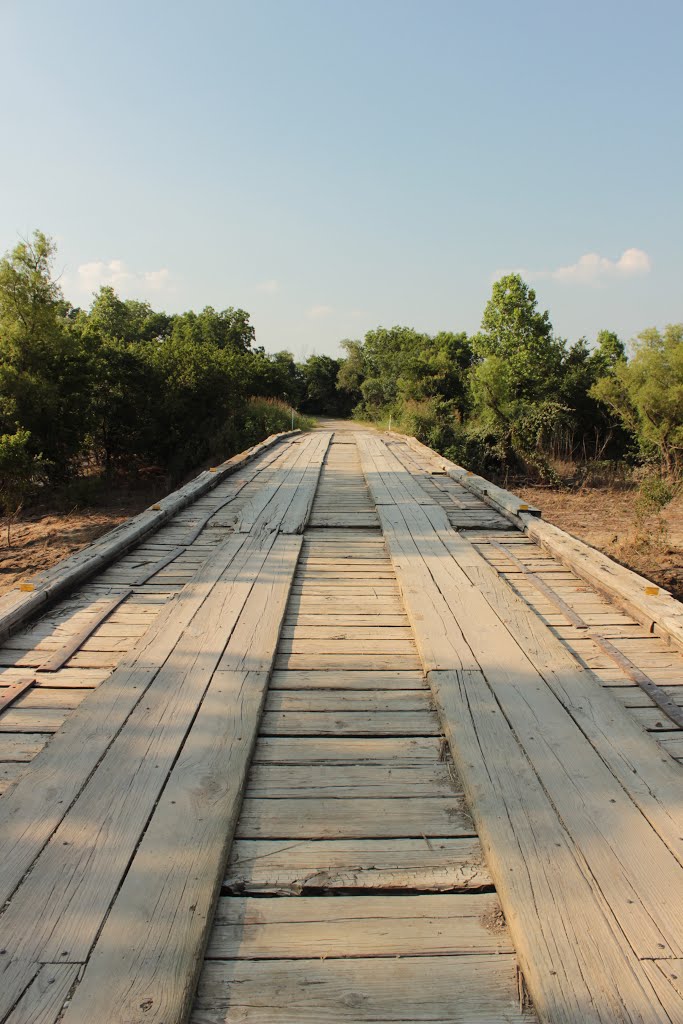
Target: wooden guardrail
21,604
649,604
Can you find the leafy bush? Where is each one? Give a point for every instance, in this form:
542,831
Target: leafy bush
654,494
20,470
265,416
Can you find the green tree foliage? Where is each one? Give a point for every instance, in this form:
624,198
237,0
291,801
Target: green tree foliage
646,393
120,385
396,365
113,319
44,371
520,339
230,329
319,376
20,470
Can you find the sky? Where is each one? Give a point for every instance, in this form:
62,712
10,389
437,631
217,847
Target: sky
336,165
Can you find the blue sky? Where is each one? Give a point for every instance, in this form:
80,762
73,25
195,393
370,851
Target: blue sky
332,165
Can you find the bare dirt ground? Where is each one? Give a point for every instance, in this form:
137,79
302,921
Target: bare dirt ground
609,519
39,541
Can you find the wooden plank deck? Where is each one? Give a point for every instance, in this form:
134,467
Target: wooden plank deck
339,741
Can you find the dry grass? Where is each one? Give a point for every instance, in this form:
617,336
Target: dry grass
612,519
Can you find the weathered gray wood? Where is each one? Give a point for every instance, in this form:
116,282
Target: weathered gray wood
247,928
350,723
21,747
477,989
285,868
79,871
10,694
639,596
43,1000
358,679
604,643
197,813
329,750
30,814
590,800
32,719
9,773
62,655
570,946
381,662
291,488
355,818
652,783
348,700
357,780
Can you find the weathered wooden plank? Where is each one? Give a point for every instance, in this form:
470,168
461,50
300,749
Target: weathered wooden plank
10,694
358,679
197,813
32,719
348,700
639,596
285,503
380,662
355,818
30,814
62,655
299,510
83,864
284,868
340,750
350,723
365,627
360,925
17,607
330,645
9,773
652,783
21,746
477,989
383,781
560,751
43,1000
570,945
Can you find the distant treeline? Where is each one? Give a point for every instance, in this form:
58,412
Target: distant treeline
120,386
516,397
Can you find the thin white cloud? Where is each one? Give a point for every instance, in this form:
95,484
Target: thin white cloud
317,312
269,287
157,278
90,277
593,269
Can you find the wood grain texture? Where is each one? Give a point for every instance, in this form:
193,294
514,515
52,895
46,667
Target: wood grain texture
331,818
360,925
444,990
29,814
286,868
569,943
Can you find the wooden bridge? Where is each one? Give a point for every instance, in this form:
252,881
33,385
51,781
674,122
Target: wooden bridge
339,732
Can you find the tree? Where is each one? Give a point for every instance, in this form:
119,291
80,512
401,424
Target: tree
521,338
646,393
229,329
319,377
515,380
19,470
128,320
43,368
